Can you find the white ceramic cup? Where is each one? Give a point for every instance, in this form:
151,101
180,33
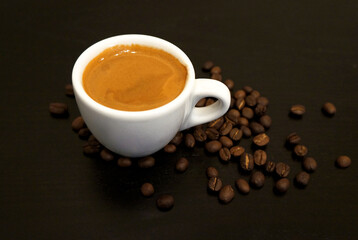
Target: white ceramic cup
141,133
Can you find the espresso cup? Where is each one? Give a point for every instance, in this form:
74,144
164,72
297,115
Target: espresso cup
141,133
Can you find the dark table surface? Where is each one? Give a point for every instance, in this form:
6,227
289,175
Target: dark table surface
291,51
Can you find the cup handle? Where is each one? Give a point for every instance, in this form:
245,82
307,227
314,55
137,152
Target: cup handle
207,88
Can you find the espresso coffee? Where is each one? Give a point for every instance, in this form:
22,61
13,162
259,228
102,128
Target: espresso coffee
134,78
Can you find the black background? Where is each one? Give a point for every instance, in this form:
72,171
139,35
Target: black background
291,51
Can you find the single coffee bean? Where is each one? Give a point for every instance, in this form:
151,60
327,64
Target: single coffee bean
201,103
232,102
207,66
213,146
199,134
217,123
209,101
216,76
240,94
256,128
146,162
309,164
250,101
69,90
260,157
235,134
91,150
106,155
293,138
302,178
260,110
165,202
212,172
233,115
261,140
243,121
189,140
93,141
229,83
270,166
242,185
300,150
329,108
212,133
247,89
247,113
266,121
282,169
215,69
124,162
84,133
147,189
226,194
182,164
215,184
256,94
343,161
246,131
226,142
170,148
240,103
78,123
298,109
237,151
226,128
247,161
282,185
178,138
262,101
58,109
225,154
257,179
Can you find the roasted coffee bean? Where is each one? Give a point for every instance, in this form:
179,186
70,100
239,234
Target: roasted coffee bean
329,108
237,151
260,110
165,202
189,140
242,185
213,146
246,131
240,94
282,169
235,134
270,166
343,161
247,113
170,148
247,89
261,140
229,83
84,133
262,101
282,185
257,179
256,94
243,121
69,90
226,194
233,115
93,141
199,134
266,121
146,162
89,149
293,138
215,184
124,162
298,109
178,138
250,101
225,154
106,155
212,133
302,178
212,172
309,164
58,109
260,157
182,164
78,123
201,103
217,123
226,142
232,102
147,189
300,150
216,69
240,103
209,101
256,128
226,128
216,76
207,66
247,162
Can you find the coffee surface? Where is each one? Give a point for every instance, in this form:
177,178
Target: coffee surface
134,78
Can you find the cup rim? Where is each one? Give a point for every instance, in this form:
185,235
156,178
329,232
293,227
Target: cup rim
145,40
